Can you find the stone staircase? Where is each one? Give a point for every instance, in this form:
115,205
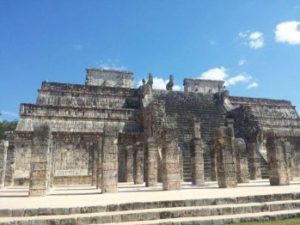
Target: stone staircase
196,211
264,165
187,169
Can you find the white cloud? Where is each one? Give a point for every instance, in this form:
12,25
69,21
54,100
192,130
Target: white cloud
253,39
242,62
220,73
288,32
241,78
160,83
256,40
252,85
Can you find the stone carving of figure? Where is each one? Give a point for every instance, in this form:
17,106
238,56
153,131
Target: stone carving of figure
170,84
150,80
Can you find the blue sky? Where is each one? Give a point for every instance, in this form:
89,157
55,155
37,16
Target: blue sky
254,45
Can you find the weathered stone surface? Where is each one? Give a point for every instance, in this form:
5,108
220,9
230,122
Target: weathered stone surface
254,161
109,160
40,161
152,164
241,161
3,161
78,114
129,163
226,161
197,156
170,161
138,172
278,166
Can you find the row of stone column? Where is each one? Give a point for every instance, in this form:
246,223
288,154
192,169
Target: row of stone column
40,166
232,159
134,158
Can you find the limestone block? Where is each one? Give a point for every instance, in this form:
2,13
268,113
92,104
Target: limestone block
289,159
40,161
197,162
3,161
241,161
129,163
152,164
226,161
278,166
109,167
138,172
254,161
170,162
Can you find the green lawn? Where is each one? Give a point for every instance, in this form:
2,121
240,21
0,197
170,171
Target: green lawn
279,222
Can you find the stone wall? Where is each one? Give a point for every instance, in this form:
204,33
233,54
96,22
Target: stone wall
110,78
73,155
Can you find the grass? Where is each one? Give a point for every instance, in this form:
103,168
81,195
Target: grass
295,221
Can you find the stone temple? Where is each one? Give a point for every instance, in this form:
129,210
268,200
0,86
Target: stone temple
106,131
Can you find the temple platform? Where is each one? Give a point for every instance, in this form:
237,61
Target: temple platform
136,204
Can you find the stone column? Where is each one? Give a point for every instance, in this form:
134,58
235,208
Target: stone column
98,153
289,159
10,166
254,161
197,156
152,164
39,165
278,172
226,162
129,163
109,160
3,161
241,161
95,166
181,163
138,172
171,162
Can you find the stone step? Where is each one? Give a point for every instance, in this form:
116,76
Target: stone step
221,219
154,214
20,212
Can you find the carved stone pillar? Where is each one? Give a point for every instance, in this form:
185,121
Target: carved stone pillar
95,166
242,161
40,161
226,162
98,151
129,163
171,162
138,172
3,161
10,165
109,160
254,161
197,156
278,168
181,163
152,164
289,159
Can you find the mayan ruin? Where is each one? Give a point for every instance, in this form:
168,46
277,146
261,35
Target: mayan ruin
149,112
106,132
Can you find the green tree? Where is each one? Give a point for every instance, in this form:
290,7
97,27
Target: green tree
7,126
